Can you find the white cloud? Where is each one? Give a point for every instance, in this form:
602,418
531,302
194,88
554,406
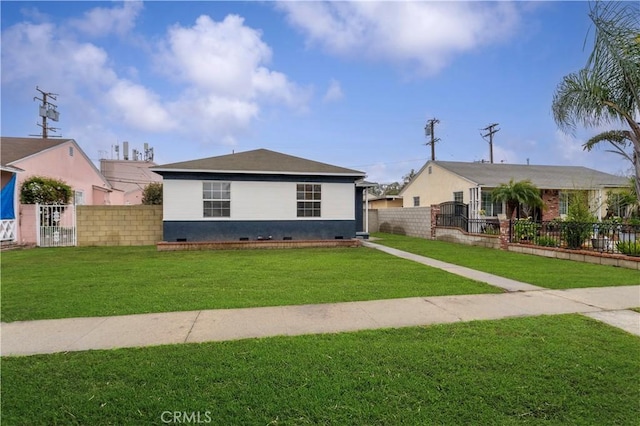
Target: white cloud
226,59
425,34
334,92
38,52
219,70
139,107
104,21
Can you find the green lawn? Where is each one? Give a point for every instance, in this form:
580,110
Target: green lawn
536,270
100,281
552,370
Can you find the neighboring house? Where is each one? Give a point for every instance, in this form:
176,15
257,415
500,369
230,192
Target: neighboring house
472,183
259,194
385,201
130,177
61,159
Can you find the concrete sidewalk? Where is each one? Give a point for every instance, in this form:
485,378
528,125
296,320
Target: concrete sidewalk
607,304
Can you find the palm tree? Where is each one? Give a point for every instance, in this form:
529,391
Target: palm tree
608,89
515,193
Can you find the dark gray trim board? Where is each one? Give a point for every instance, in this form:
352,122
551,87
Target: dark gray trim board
255,177
231,230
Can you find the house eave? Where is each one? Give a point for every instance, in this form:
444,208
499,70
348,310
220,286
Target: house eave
255,172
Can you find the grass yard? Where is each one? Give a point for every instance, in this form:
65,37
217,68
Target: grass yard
101,281
536,270
554,370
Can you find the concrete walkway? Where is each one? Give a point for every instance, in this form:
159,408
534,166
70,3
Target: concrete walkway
607,304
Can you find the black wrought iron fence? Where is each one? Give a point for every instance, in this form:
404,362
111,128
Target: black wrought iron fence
488,226
597,236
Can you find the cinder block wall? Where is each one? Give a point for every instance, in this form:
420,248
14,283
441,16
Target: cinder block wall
411,221
119,225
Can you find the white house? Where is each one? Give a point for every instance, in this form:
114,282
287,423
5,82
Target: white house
259,194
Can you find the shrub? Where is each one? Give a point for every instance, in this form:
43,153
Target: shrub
152,194
547,241
525,229
43,190
630,248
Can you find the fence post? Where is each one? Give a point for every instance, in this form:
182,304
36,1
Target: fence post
435,211
505,233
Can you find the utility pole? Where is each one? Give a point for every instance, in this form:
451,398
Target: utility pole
428,131
491,130
47,111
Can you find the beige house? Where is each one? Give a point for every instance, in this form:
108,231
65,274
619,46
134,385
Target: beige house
471,183
384,201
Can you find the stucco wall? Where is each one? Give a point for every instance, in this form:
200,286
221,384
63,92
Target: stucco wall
414,221
256,200
67,163
119,225
435,187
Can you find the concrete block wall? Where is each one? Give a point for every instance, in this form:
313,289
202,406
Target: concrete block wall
455,235
119,225
411,221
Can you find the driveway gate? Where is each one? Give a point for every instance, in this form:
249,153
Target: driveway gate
56,225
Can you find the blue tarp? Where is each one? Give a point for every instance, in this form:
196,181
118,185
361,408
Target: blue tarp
6,199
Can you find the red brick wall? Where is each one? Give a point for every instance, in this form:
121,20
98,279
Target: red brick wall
551,199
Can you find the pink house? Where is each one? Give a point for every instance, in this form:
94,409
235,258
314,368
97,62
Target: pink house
54,158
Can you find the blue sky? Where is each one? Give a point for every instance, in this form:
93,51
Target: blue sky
346,83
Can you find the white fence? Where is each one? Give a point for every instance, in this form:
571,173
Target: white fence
7,230
56,225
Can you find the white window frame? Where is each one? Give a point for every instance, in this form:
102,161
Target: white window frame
216,199
563,203
308,200
490,207
416,201
78,198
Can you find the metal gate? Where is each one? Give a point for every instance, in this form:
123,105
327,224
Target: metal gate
56,225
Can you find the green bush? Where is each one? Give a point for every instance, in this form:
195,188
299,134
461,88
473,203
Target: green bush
547,241
525,230
630,248
43,190
152,194
575,233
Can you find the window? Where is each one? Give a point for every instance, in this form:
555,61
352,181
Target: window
416,201
70,151
490,207
458,197
78,198
563,201
309,197
216,199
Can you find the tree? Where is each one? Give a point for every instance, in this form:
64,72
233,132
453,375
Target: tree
608,89
152,194
513,194
43,190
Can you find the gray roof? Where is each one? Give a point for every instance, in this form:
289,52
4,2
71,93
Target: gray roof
258,161
544,177
14,149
